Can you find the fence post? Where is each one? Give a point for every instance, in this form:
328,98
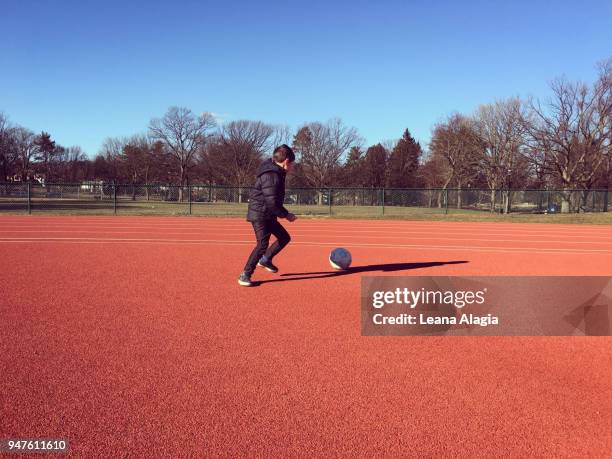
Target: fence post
114,198
382,199
189,190
329,198
445,201
29,198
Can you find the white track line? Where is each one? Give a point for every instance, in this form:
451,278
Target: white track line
300,233
309,222
98,228
504,229
326,221
316,244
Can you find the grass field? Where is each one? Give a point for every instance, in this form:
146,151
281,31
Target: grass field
160,208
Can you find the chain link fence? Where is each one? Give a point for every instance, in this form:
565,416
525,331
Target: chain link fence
107,198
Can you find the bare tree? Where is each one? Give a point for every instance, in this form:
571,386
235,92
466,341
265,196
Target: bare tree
137,160
606,181
434,174
603,94
8,148
70,163
25,142
111,151
501,127
75,156
241,146
205,169
4,123
320,148
183,133
282,134
457,141
574,133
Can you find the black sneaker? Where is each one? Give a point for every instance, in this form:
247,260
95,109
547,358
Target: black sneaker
245,280
268,265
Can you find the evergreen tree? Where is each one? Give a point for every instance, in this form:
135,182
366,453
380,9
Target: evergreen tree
404,162
352,172
45,151
375,166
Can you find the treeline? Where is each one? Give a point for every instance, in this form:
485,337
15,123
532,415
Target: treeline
185,148
561,143
25,155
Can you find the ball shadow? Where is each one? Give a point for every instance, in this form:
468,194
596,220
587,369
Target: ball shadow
387,267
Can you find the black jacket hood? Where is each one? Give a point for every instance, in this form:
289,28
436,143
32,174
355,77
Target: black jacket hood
269,166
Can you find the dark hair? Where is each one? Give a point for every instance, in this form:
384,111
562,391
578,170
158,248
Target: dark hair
283,152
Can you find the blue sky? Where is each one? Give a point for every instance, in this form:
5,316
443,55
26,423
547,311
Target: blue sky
84,71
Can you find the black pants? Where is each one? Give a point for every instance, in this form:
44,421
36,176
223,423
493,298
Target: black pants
263,230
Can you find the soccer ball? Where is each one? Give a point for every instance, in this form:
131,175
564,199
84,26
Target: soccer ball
340,258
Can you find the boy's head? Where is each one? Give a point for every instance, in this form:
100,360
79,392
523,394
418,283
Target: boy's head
283,156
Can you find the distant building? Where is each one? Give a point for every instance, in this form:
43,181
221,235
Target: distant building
92,186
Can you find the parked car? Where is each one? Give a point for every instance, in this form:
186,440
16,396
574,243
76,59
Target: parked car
553,209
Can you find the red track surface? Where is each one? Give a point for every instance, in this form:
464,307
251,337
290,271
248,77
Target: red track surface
130,335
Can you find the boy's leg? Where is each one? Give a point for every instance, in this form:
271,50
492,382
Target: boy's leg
282,239
262,234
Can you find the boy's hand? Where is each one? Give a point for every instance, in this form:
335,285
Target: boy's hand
291,217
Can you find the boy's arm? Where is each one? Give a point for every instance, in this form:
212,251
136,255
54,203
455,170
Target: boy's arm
270,187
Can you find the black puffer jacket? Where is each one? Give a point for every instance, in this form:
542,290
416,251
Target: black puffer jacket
268,194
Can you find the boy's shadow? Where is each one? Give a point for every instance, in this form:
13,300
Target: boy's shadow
388,267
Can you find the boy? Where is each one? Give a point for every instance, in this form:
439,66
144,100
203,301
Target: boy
265,206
